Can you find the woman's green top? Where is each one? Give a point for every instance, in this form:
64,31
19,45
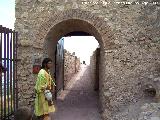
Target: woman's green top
41,104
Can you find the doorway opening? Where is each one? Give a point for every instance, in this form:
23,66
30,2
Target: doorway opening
72,27
77,79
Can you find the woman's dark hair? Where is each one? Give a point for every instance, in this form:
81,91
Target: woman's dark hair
45,61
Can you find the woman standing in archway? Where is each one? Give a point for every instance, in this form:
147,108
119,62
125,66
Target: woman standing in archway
44,84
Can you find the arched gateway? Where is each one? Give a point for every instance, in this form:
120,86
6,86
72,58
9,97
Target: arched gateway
126,51
62,23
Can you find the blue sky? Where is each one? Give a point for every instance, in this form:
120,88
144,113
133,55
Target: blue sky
7,13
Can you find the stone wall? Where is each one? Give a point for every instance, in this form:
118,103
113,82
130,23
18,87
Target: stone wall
94,68
71,66
129,38
78,64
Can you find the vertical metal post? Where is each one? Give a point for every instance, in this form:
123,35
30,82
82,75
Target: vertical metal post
11,72
8,80
5,46
1,89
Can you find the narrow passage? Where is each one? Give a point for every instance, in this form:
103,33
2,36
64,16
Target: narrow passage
78,101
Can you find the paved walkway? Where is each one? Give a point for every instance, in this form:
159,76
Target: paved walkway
78,101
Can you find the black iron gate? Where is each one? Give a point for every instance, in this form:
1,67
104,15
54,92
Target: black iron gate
8,81
60,65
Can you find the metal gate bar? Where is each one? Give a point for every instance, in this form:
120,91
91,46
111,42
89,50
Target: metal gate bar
8,80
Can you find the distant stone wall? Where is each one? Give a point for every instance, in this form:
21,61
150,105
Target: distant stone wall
94,68
71,66
78,64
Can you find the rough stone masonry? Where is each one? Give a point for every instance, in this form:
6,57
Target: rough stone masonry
71,65
129,38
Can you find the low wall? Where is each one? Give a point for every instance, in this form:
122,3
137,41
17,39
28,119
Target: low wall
71,65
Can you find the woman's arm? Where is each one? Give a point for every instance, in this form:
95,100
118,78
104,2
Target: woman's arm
41,83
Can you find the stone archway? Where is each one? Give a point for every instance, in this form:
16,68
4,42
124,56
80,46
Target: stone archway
95,25
72,20
75,20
